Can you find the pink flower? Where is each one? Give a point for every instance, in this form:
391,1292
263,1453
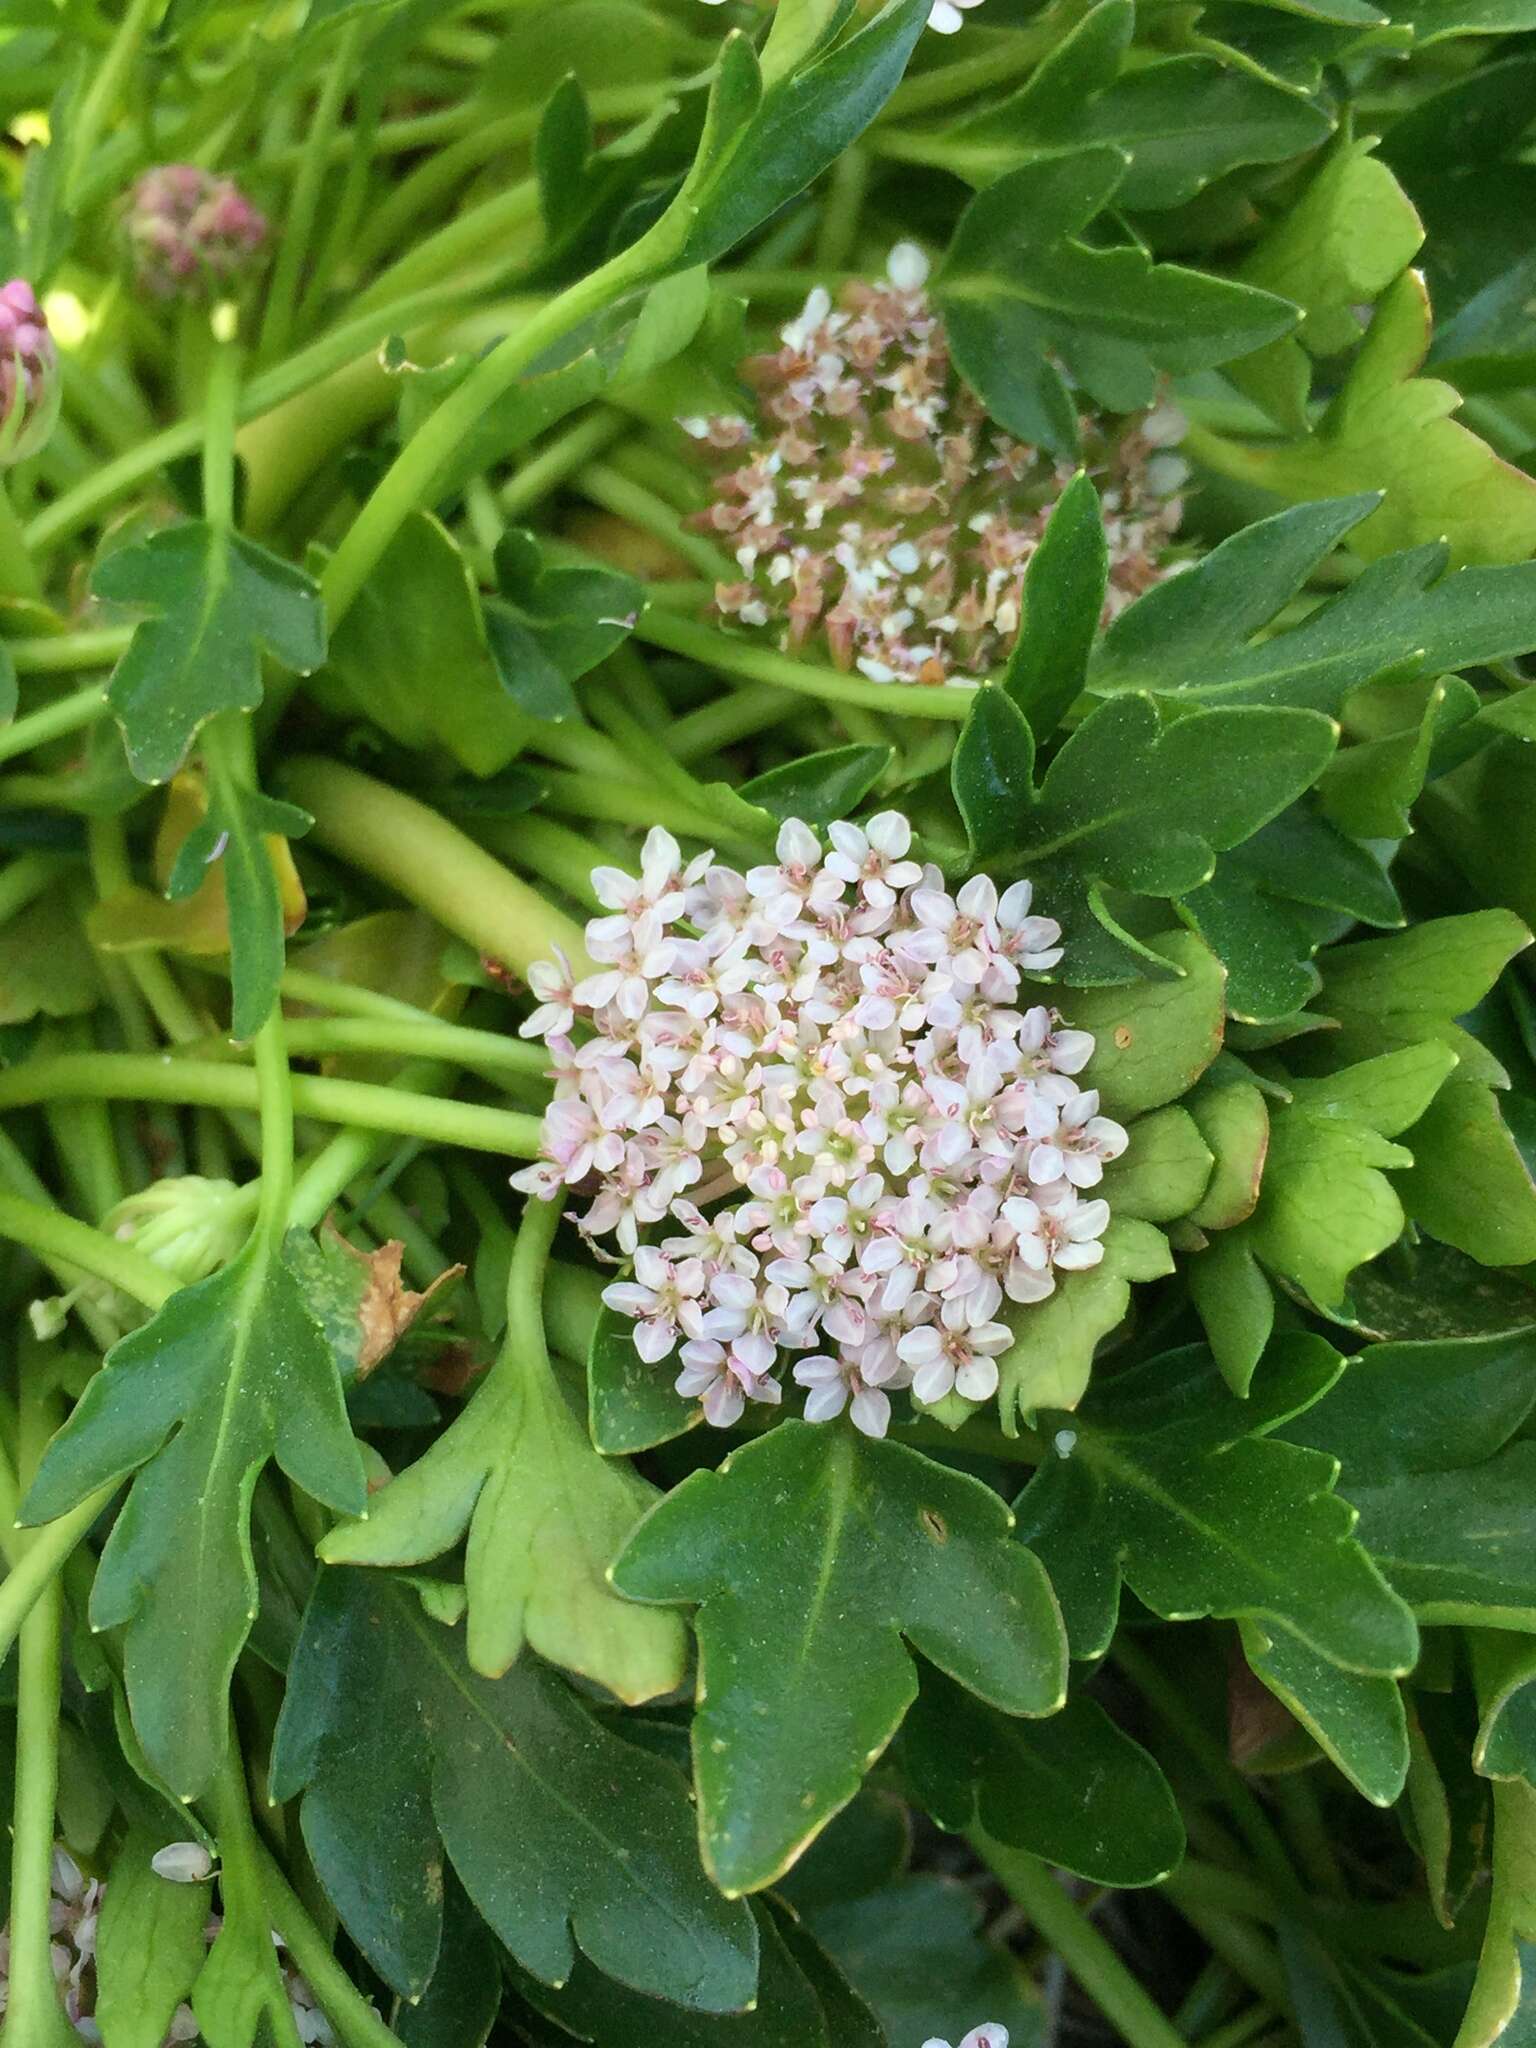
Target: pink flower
835,1383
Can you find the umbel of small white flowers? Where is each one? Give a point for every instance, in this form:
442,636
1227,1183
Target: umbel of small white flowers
872,507
988,2035
823,1082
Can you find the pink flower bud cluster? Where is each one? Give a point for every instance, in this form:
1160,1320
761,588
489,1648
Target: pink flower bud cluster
29,373
191,234
74,1917
873,507
822,1086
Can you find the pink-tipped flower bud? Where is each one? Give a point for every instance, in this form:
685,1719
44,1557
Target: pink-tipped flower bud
29,373
190,234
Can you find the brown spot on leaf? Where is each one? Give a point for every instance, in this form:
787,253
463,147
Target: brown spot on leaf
1123,1036
388,1307
935,1524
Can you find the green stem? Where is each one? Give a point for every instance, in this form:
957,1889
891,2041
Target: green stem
52,721
1088,1957
607,488
749,710
244,1885
467,237
838,233
310,365
1245,1951
304,198
559,458
127,1076
107,840
18,571
60,1239
524,1350
274,1093
338,1163
28,875
633,803
1020,50
47,1552
551,850
430,863
1236,2033
731,657
99,109
34,2018
460,1044
62,653
350,2014
411,477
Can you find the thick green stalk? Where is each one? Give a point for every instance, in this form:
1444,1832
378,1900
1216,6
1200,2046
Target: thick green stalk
430,863
60,1239
1088,1957
491,1052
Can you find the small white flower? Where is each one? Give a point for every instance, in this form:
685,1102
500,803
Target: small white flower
182,1863
991,2035
946,18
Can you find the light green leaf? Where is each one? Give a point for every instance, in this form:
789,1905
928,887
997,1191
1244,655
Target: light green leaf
1367,788
232,1372
813,1553
150,1944
1236,1305
1232,1116
1389,429
1155,1038
546,1516
1469,1184
217,601
1331,251
1502,2006
1326,1206
235,831
1051,1359
1165,1171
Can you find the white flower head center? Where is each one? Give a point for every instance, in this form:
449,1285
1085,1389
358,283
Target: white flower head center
820,1092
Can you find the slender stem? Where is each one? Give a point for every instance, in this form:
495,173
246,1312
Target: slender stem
107,840
525,1343
1073,1937
18,572
837,236
310,365
317,1037
431,863
45,1556
614,492
1019,51
244,1884
749,710
731,656
632,803
467,237
1236,2033
275,1092
410,478
1241,1946
28,875
338,1163
52,721
304,198
33,2017
559,458
100,106
61,653
350,2014
56,1237
127,1076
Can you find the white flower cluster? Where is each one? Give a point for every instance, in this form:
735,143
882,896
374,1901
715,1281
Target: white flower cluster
988,2035
74,1915
825,1072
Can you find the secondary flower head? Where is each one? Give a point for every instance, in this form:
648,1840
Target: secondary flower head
991,2035
29,373
872,506
821,1094
188,1225
191,234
